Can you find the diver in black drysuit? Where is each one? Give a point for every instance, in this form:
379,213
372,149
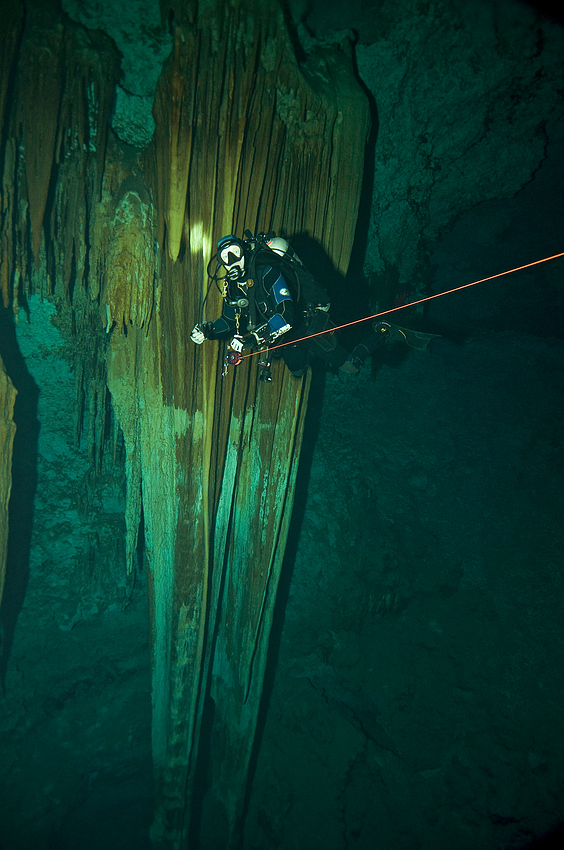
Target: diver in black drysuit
260,311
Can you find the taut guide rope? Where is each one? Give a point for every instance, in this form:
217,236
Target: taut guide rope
411,304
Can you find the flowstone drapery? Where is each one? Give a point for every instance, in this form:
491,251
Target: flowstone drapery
246,137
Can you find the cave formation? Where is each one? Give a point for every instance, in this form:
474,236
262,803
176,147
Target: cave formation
244,138
140,483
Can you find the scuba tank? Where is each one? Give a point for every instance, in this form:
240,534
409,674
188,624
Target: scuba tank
310,296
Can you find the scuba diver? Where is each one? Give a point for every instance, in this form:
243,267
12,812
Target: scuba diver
269,296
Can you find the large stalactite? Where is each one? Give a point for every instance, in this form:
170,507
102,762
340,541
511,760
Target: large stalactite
246,137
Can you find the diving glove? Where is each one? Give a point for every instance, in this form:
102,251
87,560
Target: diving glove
200,332
237,343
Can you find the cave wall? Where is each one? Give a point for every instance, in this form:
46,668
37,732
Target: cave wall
416,693
74,655
466,94
471,88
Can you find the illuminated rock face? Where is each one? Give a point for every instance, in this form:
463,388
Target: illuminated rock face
244,137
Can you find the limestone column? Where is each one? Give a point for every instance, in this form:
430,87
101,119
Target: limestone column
246,137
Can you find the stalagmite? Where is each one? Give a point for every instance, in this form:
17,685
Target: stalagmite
246,137
7,432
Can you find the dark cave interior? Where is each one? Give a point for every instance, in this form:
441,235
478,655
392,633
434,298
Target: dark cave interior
413,694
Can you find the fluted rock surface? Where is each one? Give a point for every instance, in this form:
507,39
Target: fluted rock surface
245,137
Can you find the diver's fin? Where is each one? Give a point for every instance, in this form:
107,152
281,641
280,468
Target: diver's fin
415,339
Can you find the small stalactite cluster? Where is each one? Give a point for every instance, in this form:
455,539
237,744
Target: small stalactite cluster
56,96
245,137
59,84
